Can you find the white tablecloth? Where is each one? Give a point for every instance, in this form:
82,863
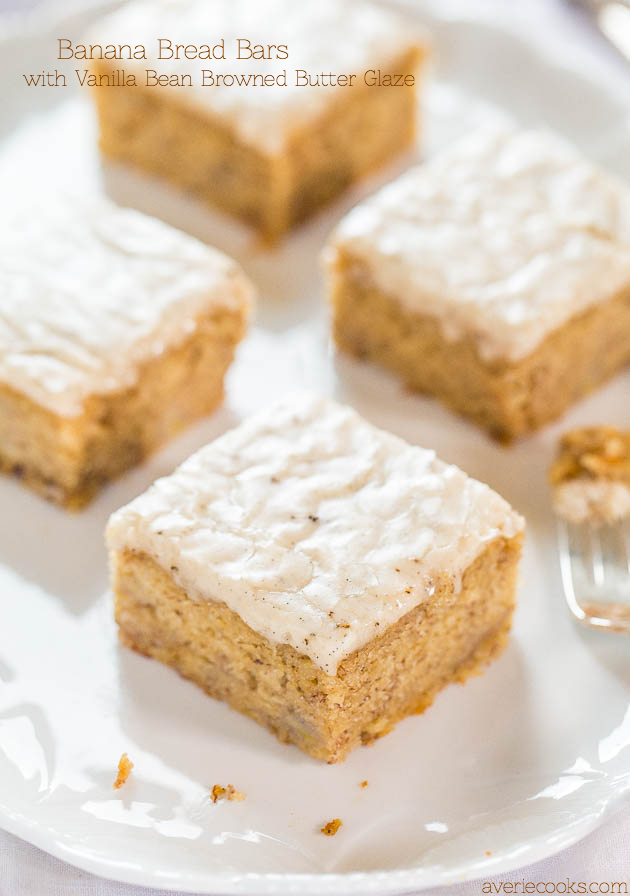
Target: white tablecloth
604,856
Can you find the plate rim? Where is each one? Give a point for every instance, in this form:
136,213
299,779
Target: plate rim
554,56
236,883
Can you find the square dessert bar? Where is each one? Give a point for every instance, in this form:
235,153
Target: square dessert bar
495,277
115,331
318,574
269,152
590,476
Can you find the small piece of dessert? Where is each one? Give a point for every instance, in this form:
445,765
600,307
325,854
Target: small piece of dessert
282,117
115,332
495,277
229,793
590,477
331,827
125,767
318,574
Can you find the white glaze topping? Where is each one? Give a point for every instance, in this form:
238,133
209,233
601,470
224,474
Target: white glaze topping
503,237
89,290
318,529
598,501
338,36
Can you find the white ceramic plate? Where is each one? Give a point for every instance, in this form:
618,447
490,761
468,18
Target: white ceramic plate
518,764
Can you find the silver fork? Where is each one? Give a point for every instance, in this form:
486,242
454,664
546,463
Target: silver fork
595,568
612,19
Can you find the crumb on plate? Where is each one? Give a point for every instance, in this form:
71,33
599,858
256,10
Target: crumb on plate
217,793
230,793
331,827
124,770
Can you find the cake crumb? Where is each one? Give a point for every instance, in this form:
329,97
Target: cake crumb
331,827
363,784
229,792
217,793
124,770
234,795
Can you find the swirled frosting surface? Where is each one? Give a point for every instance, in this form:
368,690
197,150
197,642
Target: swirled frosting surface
318,529
89,290
504,237
325,36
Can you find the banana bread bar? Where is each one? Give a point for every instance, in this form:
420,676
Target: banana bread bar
320,575
115,332
225,130
496,277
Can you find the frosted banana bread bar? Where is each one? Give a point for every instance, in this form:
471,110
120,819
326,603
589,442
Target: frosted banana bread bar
308,98
495,277
115,332
590,476
320,575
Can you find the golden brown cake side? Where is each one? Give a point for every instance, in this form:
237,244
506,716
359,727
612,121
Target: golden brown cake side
67,459
508,399
361,130
447,638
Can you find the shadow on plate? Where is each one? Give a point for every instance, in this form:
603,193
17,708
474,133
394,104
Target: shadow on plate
285,274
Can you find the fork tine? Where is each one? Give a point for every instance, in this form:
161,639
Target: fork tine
618,547
596,554
566,548
595,571
624,537
613,557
